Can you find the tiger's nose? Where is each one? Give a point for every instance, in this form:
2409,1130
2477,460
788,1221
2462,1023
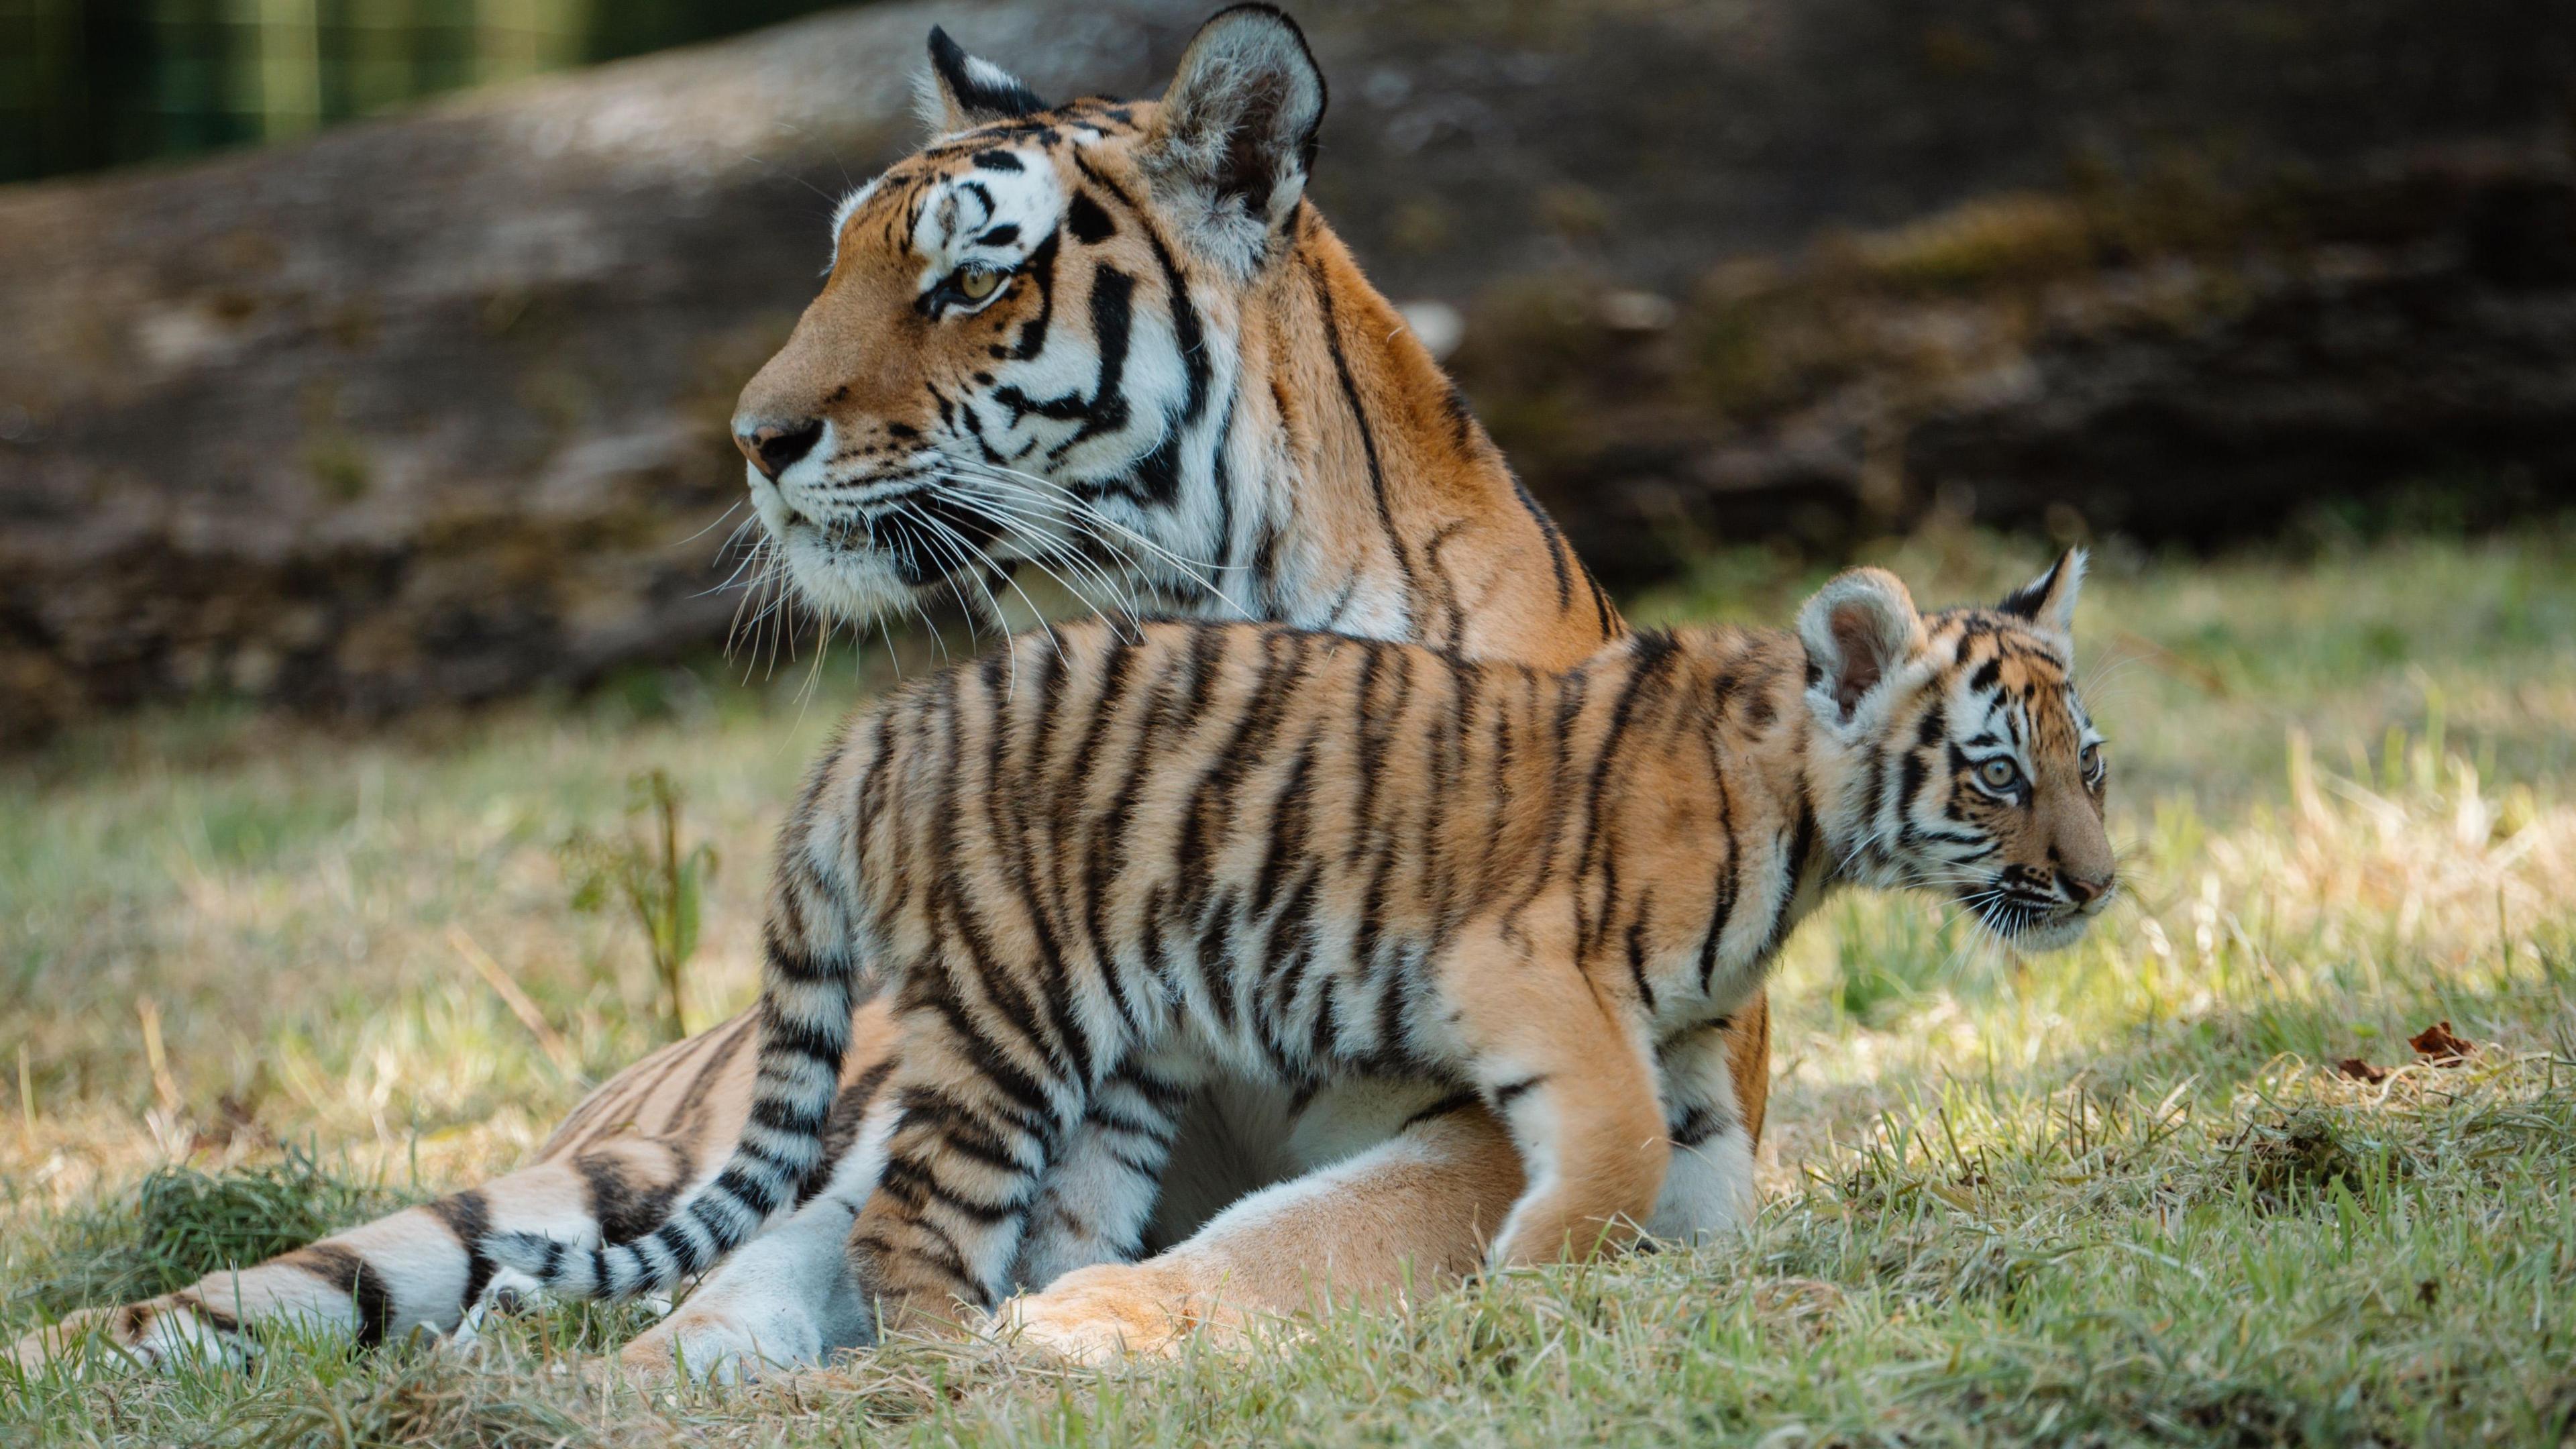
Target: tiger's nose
774,445
2088,892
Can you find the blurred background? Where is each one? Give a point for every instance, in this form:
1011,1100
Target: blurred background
96,83
375,781
371,354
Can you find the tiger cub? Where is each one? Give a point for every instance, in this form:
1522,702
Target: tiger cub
1307,857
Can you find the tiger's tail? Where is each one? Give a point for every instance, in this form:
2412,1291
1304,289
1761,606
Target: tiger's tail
806,1006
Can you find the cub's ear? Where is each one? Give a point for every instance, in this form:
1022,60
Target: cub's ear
2049,600
1859,629
1235,135
960,92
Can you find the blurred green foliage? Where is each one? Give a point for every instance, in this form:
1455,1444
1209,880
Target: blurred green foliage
86,84
661,886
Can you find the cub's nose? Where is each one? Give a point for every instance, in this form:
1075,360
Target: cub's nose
773,445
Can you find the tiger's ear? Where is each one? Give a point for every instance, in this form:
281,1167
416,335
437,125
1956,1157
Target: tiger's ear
1234,137
1861,629
960,92
2049,600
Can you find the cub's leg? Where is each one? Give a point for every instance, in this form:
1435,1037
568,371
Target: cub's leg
1708,1190
1100,1191
1566,1062
1412,1214
979,1115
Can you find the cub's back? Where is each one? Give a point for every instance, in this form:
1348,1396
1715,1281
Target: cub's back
1275,776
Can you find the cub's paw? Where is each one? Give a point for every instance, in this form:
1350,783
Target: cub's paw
1110,1311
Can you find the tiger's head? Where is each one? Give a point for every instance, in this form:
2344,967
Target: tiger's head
1962,760
1026,346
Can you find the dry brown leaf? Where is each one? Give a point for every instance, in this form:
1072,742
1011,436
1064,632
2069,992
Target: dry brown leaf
2361,1071
2438,1045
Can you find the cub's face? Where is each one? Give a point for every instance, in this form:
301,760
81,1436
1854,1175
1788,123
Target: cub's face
1975,771
2011,813
1023,347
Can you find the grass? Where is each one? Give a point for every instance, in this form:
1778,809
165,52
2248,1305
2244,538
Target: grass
2121,1194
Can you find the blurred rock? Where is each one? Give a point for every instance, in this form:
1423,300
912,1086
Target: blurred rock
2056,364
431,409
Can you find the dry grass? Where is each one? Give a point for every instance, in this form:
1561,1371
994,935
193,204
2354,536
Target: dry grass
2119,1195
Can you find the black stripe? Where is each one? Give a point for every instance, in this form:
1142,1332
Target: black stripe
1090,225
1697,1126
1555,541
1221,479
1654,651
215,1318
469,1217
1637,953
1359,419
995,1067
841,1128
1040,269
1454,1102
1006,803
1731,881
346,1272
1802,844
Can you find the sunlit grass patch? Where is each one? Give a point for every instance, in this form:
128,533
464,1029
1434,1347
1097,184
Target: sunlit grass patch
2121,1194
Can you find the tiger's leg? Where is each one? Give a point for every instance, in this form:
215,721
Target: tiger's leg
1412,1214
613,1167
381,1280
787,1299
1101,1189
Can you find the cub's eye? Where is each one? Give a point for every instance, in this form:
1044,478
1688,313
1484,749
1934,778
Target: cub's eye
1999,775
975,282
2092,762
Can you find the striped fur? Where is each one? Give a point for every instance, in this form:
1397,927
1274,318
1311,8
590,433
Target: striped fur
1104,866
1204,407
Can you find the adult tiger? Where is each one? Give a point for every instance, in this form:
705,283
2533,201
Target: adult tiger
1111,341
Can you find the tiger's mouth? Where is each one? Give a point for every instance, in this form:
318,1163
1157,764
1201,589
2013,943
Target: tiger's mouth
862,551
2026,921
934,527
927,538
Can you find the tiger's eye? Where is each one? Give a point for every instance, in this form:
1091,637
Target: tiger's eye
2092,760
978,283
1999,774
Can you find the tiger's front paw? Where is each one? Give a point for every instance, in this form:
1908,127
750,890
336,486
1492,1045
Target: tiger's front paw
156,1335
716,1342
1109,1311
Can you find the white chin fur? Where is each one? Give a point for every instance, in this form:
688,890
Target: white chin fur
840,584
2050,935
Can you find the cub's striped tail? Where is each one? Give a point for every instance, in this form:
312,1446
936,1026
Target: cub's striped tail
805,1012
